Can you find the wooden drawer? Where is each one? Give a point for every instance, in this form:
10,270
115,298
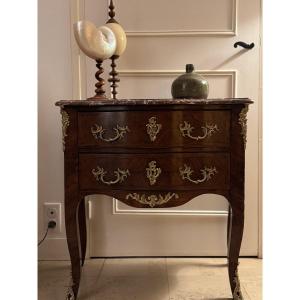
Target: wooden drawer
154,129
184,171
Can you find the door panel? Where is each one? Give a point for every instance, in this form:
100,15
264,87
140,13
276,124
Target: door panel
202,33
174,17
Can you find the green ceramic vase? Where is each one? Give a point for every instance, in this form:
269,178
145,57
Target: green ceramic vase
190,85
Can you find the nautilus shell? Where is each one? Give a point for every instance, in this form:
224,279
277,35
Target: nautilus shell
120,36
97,43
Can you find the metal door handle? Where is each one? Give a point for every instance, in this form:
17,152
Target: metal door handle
244,45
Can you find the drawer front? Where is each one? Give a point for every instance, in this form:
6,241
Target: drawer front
186,171
158,129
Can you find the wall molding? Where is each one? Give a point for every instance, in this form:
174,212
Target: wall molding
156,211
194,32
172,73
180,33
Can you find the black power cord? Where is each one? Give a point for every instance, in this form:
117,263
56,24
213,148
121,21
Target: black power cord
51,224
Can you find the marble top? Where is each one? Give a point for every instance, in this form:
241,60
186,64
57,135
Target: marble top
228,101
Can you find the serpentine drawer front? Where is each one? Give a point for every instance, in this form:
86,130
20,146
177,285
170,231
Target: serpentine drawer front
154,129
153,154
184,171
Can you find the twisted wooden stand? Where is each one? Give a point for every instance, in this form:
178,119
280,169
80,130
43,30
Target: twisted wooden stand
100,92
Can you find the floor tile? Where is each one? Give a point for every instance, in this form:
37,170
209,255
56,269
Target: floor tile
134,267
151,279
195,266
198,278
250,269
253,289
150,287
128,279
198,287
92,267
52,293
54,268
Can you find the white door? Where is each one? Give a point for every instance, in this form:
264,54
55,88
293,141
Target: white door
163,36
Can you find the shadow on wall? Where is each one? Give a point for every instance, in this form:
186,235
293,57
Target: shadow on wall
231,58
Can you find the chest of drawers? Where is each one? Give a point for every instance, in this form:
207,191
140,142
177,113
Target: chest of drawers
153,153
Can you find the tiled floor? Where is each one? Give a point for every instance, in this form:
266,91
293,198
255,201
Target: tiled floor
150,279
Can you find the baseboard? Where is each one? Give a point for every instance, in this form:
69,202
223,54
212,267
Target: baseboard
57,249
170,253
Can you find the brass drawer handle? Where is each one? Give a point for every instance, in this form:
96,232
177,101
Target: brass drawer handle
153,172
153,128
98,133
152,200
186,131
99,174
207,173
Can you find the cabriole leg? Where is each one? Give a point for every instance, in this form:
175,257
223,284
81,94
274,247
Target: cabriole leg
71,210
234,245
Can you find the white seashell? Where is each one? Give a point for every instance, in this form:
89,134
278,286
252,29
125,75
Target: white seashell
120,36
97,43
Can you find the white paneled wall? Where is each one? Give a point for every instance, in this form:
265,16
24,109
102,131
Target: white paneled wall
163,37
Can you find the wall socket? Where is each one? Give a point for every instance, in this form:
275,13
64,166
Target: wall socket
52,212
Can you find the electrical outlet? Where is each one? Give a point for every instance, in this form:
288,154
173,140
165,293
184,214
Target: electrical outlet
52,212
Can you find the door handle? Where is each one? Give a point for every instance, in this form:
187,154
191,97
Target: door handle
244,45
